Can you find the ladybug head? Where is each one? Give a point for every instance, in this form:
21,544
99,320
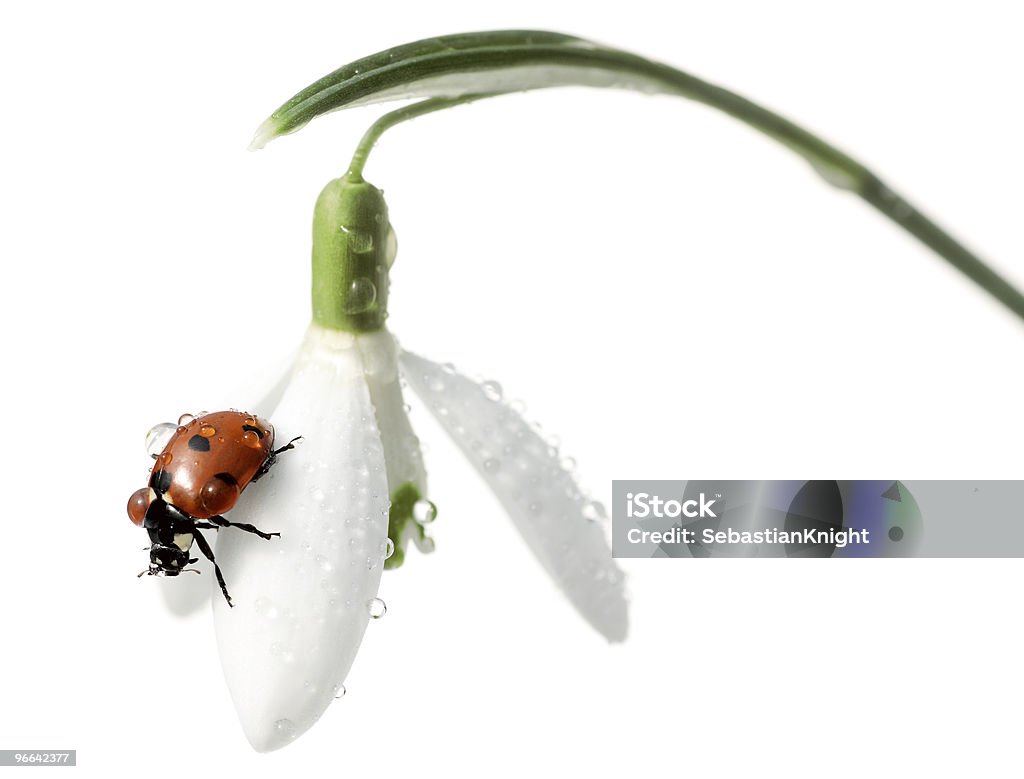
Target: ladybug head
167,560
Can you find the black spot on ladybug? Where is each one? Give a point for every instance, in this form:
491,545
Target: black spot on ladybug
226,477
199,444
256,430
162,481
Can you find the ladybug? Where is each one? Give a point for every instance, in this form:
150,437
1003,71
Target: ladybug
196,478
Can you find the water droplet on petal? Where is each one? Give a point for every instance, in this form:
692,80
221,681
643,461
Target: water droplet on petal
492,464
158,436
492,390
339,691
424,512
568,464
593,511
377,607
448,368
285,728
389,548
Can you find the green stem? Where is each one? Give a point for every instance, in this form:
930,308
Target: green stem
474,65
386,122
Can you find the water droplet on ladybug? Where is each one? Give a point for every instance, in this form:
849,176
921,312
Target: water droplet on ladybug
251,439
167,457
377,607
158,436
207,431
138,504
219,495
184,419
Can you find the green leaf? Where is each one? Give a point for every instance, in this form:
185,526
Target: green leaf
454,67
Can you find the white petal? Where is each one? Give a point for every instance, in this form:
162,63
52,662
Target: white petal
402,452
401,446
301,601
541,497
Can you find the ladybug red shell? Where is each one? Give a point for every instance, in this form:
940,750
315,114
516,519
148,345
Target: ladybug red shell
208,462
196,478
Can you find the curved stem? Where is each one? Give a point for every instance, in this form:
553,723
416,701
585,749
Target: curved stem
458,68
389,120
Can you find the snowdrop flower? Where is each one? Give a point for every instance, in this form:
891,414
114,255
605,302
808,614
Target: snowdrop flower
352,498
349,501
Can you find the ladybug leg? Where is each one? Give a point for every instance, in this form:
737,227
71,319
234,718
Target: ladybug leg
208,554
219,521
288,446
272,458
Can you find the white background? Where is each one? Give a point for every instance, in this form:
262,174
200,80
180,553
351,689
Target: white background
673,294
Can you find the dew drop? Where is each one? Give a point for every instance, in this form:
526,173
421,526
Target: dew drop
339,691
492,390
448,368
492,464
184,419
158,437
593,511
362,293
207,431
359,241
390,247
251,439
424,512
285,728
377,607
435,383
389,548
